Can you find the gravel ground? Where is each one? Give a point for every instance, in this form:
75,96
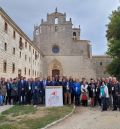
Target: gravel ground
90,118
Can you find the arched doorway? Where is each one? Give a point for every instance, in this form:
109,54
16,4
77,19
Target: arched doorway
55,72
55,68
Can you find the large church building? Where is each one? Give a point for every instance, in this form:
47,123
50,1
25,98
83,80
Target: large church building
56,49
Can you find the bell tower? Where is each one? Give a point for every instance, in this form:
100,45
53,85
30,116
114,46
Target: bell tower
55,31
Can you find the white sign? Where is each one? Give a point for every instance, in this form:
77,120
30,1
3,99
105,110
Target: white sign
53,96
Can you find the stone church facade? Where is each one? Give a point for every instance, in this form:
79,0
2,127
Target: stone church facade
58,49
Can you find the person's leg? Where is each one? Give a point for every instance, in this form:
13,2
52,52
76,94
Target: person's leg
78,100
114,102
6,100
22,100
99,99
72,97
95,101
102,101
110,101
9,99
119,102
65,96
106,104
69,98
27,98
75,99
15,99
83,102
92,104
19,99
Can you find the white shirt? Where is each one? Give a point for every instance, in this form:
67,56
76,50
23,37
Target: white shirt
84,88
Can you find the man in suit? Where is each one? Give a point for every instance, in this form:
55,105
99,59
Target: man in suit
36,94
43,84
53,82
8,96
22,90
29,91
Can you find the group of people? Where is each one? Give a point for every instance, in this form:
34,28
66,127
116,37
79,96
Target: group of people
104,92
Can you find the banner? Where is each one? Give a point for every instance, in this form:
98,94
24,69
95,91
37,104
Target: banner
53,96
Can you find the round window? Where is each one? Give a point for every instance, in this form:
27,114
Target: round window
55,49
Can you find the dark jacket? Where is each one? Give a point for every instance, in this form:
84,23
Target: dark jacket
22,87
92,89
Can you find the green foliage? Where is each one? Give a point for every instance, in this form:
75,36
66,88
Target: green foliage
113,37
113,31
114,68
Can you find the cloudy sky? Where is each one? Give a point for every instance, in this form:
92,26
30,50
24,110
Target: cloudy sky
91,15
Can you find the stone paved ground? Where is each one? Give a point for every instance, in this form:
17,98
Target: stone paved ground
5,107
90,118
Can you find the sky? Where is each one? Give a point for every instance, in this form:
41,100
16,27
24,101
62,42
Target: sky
91,15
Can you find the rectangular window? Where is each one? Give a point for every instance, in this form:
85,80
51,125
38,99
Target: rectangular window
13,51
29,72
5,46
14,34
4,66
20,43
33,51
13,68
25,44
29,48
25,70
6,27
20,54
36,56
29,59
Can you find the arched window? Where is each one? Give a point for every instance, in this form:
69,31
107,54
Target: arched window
56,20
74,33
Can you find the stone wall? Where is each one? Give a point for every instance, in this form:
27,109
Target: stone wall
100,63
75,66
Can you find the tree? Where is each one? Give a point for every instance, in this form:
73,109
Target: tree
114,68
113,37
